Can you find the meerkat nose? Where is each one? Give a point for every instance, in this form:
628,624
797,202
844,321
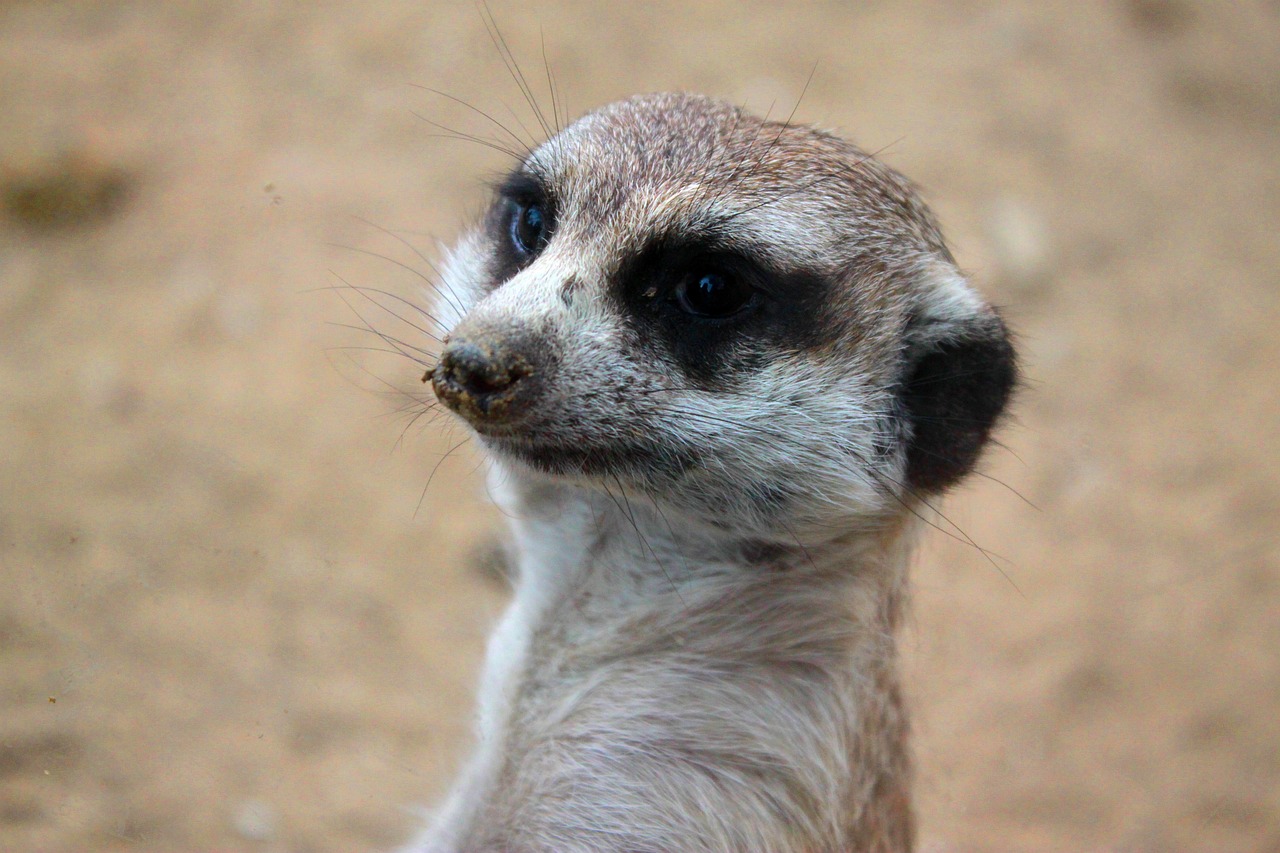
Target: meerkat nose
480,380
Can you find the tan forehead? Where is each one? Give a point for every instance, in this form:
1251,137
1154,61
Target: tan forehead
676,163
666,142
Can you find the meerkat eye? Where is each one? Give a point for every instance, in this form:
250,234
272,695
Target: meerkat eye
713,294
529,228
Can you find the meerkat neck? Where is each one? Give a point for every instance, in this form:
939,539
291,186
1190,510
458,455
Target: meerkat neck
563,529
742,676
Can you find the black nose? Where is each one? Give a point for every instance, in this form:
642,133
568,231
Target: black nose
480,381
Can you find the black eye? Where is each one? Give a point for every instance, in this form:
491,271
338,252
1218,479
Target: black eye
529,230
714,295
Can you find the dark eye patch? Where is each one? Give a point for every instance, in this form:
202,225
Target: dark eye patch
750,309
521,222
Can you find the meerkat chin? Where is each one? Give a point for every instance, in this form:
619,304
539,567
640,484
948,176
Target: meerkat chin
719,363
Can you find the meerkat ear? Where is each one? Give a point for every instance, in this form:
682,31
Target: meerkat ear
959,376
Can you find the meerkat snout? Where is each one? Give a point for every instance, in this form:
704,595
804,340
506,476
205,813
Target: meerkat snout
488,379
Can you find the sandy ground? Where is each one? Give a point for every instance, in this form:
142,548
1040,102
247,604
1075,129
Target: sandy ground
226,622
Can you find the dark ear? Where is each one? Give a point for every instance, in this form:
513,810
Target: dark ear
956,388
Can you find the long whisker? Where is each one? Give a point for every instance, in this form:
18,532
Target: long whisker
419,273
364,293
513,67
629,514
432,476
508,131
441,285
447,132
556,116
399,346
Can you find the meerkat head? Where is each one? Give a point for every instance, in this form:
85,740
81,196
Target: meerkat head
752,322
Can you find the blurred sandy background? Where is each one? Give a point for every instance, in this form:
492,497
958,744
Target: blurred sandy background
225,622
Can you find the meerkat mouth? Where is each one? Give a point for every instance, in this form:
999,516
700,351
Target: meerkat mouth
571,456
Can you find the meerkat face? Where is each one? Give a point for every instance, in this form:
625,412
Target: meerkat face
751,322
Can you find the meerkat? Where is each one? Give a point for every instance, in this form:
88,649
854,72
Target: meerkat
720,365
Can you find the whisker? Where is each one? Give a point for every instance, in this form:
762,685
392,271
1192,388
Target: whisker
508,131
432,476
629,514
962,537
398,345
513,67
441,285
461,136
400,264
557,115
364,293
